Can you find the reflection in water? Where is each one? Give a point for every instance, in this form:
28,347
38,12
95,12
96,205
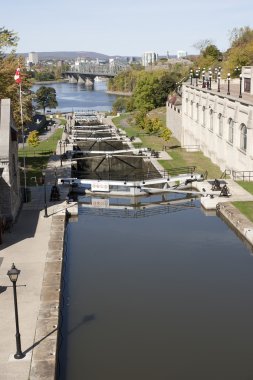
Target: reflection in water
167,297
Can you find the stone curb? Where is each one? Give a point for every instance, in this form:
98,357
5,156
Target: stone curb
239,223
44,355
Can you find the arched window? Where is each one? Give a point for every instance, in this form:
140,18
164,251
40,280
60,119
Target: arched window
220,131
230,131
211,120
243,137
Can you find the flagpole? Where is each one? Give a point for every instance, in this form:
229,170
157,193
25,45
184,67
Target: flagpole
23,138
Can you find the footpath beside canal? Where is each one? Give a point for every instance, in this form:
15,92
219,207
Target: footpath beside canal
35,245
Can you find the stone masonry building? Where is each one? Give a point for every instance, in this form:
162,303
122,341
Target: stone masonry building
218,123
10,195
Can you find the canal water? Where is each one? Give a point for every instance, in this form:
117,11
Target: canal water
154,293
161,294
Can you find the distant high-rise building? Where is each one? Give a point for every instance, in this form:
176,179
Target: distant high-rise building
149,58
33,58
181,54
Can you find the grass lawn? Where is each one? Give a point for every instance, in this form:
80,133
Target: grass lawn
37,158
245,208
179,156
247,186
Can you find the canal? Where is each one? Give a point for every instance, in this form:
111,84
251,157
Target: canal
165,294
161,292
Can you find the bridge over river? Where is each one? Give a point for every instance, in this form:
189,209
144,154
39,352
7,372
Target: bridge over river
87,72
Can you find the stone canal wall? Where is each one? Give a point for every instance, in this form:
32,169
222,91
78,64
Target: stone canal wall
44,358
239,223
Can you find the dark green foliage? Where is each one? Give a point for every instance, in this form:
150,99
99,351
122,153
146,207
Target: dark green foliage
46,97
119,105
152,89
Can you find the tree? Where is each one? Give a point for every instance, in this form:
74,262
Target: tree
119,105
202,45
46,97
33,139
241,51
8,87
241,36
152,89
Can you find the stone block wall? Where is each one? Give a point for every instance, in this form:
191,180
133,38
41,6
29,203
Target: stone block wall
10,195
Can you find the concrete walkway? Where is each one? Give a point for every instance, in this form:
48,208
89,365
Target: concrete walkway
27,246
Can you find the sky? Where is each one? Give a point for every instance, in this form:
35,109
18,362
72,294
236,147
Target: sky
126,28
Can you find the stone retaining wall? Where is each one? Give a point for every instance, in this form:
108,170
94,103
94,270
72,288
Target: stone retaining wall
44,357
239,223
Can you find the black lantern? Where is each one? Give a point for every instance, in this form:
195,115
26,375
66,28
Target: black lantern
60,143
218,77
13,274
240,94
210,79
228,78
45,194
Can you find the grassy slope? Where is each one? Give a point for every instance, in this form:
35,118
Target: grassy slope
37,158
179,156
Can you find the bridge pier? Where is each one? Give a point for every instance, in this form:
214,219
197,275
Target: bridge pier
81,80
89,82
72,79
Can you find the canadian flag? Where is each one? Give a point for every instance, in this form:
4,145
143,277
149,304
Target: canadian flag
17,76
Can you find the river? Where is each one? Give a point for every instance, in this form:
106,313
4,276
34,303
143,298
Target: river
74,97
162,294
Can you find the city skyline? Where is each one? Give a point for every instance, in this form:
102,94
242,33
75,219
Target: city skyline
113,28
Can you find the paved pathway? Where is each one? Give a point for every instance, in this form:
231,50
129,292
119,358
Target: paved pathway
27,247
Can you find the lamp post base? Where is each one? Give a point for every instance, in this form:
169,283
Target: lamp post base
19,355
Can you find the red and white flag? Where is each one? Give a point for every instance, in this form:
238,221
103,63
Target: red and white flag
17,76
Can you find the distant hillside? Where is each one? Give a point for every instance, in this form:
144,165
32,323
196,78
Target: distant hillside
69,55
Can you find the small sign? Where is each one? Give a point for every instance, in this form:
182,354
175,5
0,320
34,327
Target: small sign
100,186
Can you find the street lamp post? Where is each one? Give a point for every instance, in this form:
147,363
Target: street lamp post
203,78
45,194
60,143
240,94
228,78
218,76
13,274
210,79
215,74
55,176
197,76
237,70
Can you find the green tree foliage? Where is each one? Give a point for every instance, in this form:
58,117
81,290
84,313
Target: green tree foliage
33,139
44,75
239,54
152,126
241,51
119,105
209,56
8,87
46,97
7,39
241,36
124,81
152,89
